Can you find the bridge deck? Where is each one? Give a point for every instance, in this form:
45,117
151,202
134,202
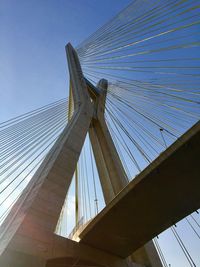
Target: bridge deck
162,194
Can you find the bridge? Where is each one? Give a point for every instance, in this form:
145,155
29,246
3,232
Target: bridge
121,119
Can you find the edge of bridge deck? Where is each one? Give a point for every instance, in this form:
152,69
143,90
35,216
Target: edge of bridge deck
162,194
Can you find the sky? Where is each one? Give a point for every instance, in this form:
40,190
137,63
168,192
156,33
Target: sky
33,35
33,65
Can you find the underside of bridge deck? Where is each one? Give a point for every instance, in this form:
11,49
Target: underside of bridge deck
164,193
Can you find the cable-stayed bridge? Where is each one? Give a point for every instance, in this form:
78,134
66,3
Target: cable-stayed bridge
126,138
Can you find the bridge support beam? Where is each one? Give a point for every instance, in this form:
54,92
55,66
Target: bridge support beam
145,200
27,252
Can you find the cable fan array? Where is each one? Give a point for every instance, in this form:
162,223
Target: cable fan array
149,53
25,141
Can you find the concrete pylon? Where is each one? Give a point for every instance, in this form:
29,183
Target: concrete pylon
111,172
27,235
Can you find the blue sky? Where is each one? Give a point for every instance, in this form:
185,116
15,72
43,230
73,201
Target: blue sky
33,35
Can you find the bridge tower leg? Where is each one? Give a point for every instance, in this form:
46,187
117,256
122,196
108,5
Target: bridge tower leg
27,233
111,172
